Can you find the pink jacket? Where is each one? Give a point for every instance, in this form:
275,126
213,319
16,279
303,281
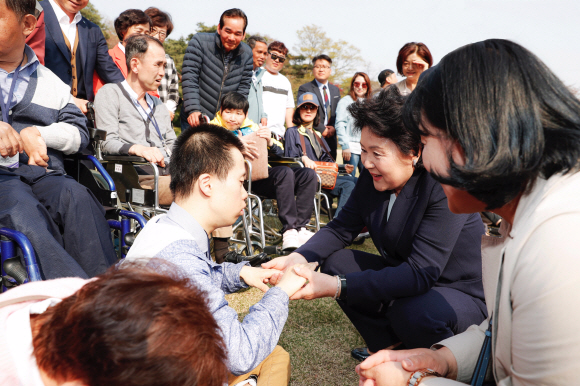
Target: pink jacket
19,297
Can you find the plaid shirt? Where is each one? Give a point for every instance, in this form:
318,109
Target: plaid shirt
169,88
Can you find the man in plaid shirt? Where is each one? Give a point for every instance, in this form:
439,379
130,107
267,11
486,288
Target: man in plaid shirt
161,27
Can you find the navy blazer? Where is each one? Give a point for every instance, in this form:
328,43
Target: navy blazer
92,50
334,96
424,245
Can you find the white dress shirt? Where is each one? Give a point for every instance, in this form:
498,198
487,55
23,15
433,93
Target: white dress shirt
321,89
68,28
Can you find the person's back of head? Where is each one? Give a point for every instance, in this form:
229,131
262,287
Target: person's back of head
132,326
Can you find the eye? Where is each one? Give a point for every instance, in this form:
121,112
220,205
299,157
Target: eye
377,154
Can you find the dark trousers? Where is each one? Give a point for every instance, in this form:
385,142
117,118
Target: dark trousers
343,188
417,321
284,184
332,144
62,219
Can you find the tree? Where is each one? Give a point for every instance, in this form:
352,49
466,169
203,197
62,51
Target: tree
92,14
314,41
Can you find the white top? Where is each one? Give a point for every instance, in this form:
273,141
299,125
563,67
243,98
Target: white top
402,86
68,28
276,98
391,203
19,333
134,98
122,47
321,89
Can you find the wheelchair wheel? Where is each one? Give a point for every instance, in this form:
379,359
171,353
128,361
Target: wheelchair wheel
256,247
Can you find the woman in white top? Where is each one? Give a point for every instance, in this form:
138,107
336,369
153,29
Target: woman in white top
502,133
360,88
413,59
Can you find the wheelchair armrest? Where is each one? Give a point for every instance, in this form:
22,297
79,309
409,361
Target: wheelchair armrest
97,134
285,161
124,158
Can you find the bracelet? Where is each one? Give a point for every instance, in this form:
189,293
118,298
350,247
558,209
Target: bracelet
342,295
337,288
418,376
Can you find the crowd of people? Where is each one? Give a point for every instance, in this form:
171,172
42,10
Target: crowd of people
489,128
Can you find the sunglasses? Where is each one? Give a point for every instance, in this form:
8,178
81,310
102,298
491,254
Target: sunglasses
308,107
275,57
359,84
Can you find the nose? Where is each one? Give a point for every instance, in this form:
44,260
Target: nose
366,162
244,194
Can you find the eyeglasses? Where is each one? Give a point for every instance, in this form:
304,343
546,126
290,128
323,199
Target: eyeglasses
322,67
275,57
157,32
361,85
308,107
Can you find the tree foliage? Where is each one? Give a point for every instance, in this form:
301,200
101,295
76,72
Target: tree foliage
92,14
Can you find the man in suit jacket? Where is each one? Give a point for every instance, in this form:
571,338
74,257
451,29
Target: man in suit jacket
67,31
328,94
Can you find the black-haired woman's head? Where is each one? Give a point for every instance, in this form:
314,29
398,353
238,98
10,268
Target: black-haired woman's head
510,117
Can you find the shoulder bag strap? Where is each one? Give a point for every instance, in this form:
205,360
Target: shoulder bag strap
323,145
302,143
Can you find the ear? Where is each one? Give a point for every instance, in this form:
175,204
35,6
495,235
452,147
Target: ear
28,24
457,154
219,27
134,62
244,37
204,182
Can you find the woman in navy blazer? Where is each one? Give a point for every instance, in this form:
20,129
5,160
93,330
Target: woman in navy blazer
426,284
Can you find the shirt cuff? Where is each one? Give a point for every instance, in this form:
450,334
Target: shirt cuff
171,105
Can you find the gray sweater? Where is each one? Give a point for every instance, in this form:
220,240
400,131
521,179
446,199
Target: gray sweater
118,116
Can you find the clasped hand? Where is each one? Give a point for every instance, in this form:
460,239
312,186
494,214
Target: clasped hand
28,140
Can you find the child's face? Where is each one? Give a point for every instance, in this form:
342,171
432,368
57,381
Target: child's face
233,118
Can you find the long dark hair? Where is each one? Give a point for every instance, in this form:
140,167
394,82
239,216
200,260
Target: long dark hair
513,118
297,119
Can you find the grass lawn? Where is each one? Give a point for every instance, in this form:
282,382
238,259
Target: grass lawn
317,335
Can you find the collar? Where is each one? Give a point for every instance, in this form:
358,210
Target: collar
322,84
134,96
32,60
62,17
121,47
302,130
186,221
247,123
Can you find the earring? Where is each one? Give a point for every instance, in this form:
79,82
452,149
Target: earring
415,162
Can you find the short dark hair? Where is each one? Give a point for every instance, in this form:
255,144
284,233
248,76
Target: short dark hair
235,100
202,149
383,75
234,13
513,118
21,7
278,46
132,326
254,39
160,18
297,119
321,57
413,48
136,47
130,18
383,116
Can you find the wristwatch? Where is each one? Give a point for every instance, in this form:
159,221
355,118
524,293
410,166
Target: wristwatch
418,376
342,288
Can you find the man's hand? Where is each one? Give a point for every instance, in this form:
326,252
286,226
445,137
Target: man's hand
265,133
346,155
319,285
10,141
81,104
257,277
250,151
283,263
329,131
349,168
151,154
194,119
308,163
34,146
264,121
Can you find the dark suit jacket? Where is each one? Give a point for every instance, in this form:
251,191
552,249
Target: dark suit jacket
92,54
334,98
424,245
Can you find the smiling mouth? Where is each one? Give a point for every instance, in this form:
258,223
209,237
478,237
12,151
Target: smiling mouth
376,177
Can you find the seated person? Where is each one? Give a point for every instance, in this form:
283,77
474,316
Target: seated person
129,22
129,327
137,123
40,124
306,116
282,182
207,178
425,285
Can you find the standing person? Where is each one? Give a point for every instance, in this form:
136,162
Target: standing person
75,48
259,48
36,40
278,98
161,27
328,94
214,64
413,59
129,22
360,88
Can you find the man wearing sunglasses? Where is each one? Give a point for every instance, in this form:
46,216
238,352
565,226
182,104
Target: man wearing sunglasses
277,95
328,94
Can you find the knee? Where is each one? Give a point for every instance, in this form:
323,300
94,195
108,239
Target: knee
335,263
284,175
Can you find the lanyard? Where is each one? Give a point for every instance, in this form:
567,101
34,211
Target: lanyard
8,105
152,119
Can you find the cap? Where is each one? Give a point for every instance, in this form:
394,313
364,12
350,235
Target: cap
308,97
384,75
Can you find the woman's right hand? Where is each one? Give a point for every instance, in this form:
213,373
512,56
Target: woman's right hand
282,263
308,162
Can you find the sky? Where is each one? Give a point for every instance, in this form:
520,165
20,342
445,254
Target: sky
379,28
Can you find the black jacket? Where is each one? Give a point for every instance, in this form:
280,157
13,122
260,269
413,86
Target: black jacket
424,245
205,76
334,97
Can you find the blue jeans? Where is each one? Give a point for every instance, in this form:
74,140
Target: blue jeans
356,162
342,189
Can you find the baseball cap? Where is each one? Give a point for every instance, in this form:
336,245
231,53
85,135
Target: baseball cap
308,97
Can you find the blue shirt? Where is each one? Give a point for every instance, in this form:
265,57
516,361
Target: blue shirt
26,71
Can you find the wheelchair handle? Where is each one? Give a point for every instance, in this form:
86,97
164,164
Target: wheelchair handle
15,270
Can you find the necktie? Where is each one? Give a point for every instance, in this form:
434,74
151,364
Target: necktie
326,104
